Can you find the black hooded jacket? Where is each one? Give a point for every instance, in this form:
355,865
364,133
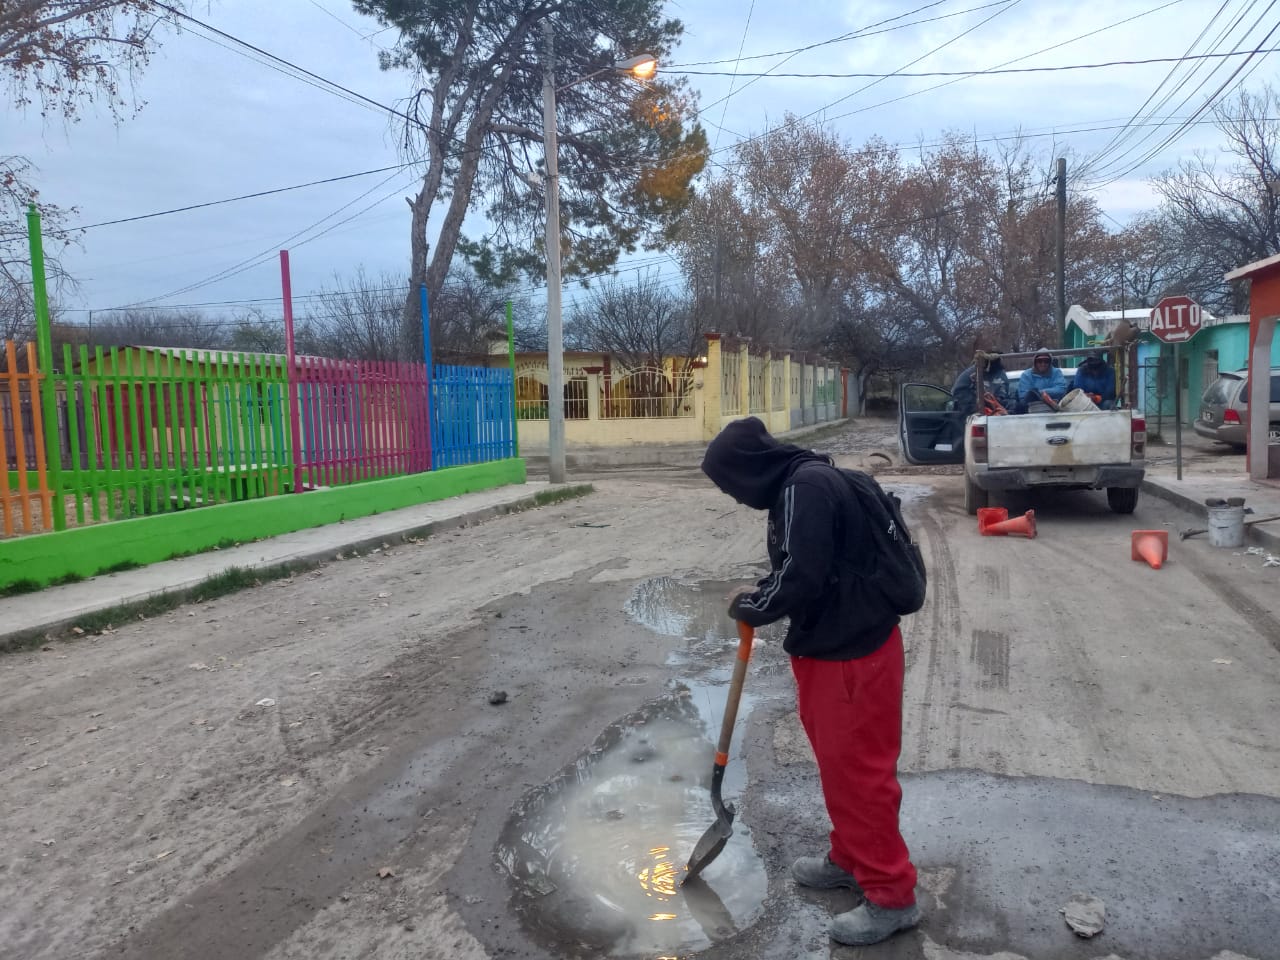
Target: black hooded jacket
818,544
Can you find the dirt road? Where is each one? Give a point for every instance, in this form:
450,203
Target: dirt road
314,768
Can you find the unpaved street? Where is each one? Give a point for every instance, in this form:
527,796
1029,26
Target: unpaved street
314,768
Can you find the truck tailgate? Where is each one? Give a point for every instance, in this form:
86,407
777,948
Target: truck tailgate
1059,439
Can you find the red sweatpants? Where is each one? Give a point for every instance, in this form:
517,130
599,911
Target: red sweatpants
852,713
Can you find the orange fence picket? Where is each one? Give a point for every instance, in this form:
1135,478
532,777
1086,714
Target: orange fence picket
18,445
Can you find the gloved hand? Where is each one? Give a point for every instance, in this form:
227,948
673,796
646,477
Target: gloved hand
738,591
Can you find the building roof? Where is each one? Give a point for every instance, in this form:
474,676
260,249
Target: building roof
1249,269
1097,323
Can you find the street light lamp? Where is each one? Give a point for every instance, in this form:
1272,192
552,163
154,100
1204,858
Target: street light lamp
643,67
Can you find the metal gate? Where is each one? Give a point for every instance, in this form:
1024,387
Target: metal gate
1155,394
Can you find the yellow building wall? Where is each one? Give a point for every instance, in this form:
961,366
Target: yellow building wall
780,399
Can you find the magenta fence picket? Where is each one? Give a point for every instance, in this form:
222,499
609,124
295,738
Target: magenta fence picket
359,420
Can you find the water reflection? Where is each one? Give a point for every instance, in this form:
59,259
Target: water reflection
695,612
597,854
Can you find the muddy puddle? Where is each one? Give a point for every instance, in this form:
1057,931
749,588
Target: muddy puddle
597,854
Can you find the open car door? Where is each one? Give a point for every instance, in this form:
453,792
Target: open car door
929,430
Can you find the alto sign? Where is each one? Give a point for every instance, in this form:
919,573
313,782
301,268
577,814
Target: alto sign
1175,319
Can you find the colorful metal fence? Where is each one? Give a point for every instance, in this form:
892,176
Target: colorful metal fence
164,430
359,420
472,415
144,430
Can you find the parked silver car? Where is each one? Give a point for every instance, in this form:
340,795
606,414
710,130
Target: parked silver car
1224,406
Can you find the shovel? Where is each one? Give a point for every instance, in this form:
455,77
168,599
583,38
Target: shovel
1247,523
718,834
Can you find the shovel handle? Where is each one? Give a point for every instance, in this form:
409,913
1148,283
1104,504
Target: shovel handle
746,637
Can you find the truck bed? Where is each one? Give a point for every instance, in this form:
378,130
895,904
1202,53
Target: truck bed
1059,439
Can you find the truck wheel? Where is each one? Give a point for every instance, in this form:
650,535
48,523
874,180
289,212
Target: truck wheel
974,497
1122,499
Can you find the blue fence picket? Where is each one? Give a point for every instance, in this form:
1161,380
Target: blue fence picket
471,418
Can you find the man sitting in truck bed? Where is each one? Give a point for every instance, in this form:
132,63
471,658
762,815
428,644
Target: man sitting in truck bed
1041,387
969,398
1098,380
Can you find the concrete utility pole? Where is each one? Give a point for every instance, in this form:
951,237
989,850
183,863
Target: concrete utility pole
1062,249
555,335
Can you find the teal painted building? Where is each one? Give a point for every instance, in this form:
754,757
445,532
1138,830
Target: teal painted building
1222,344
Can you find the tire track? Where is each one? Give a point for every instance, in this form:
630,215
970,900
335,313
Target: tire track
944,619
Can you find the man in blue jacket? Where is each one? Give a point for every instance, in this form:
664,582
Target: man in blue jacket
1043,382
1097,379
847,657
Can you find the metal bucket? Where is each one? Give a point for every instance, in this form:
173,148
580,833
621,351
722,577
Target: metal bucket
1226,524
1077,401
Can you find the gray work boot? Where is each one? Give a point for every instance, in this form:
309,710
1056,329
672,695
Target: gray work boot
820,872
868,923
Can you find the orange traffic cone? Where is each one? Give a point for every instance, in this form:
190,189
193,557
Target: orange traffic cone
1024,526
990,515
1151,546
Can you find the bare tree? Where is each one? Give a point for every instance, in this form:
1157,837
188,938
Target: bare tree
17,310
641,323
361,318
471,311
894,264
66,52
165,327
1150,260
60,54
1227,216
736,286
252,331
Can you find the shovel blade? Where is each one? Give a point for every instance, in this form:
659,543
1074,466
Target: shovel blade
709,845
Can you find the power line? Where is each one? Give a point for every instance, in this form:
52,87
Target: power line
852,35
1027,56
259,258
174,11
1114,143
742,43
315,79
1209,102
993,71
859,34
244,196
916,93
325,10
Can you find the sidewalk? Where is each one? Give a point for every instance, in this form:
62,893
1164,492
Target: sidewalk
59,607
1193,489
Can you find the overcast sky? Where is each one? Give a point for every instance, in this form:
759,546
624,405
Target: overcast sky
218,123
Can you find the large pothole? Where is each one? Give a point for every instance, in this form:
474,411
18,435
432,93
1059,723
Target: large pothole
597,854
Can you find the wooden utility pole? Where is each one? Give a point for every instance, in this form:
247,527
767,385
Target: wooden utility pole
1062,249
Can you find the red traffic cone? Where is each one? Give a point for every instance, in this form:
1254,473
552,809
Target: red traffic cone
1151,546
1023,526
990,515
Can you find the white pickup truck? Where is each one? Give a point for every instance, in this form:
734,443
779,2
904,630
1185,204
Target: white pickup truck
1094,449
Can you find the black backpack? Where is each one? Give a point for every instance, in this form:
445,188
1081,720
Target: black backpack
898,575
